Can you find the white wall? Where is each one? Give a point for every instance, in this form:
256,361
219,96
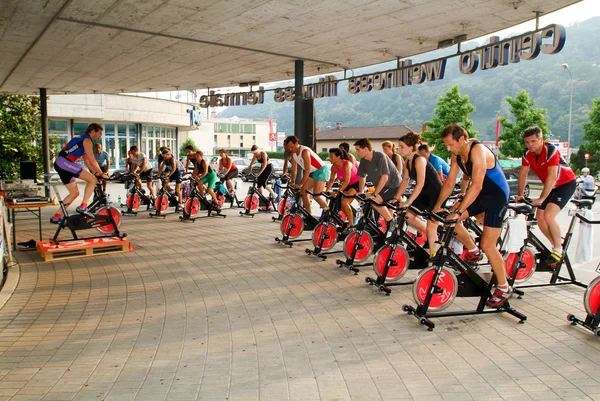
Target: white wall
121,108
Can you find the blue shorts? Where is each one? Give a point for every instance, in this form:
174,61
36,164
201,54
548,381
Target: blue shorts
321,174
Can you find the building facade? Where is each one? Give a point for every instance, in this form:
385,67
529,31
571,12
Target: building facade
149,124
235,135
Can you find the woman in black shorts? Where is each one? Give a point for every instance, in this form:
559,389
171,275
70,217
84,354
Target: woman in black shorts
266,169
428,184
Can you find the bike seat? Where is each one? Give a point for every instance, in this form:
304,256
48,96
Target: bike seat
520,208
582,203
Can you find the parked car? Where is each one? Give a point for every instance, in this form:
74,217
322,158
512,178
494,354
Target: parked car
513,183
277,169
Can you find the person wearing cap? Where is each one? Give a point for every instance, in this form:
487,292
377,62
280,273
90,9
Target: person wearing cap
266,169
159,159
170,166
227,169
586,184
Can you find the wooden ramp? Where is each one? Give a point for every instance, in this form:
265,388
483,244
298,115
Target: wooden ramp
81,248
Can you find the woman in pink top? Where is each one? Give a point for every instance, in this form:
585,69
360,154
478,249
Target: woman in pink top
345,171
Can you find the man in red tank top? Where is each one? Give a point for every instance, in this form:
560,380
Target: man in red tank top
559,185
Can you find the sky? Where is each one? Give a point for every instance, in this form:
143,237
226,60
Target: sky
579,12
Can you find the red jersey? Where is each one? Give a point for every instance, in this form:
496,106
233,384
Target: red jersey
549,156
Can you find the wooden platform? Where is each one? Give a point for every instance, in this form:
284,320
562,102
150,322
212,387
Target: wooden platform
85,247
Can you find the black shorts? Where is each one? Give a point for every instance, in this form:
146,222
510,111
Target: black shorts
353,186
387,194
425,201
494,208
146,175
560,195
231,174
176,176
262,179
67,170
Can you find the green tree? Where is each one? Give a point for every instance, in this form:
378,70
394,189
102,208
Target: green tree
184,144
591,129
526,115
452,108
20,133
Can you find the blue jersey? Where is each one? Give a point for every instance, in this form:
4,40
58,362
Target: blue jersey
494,183
73,150
439,164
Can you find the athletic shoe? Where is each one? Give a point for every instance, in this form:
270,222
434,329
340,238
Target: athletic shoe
56,220
555,259
473,257
85,211
499,297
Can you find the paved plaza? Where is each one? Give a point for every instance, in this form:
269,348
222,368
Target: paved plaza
216,310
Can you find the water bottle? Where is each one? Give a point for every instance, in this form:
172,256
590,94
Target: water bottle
108,201
119,200
278,188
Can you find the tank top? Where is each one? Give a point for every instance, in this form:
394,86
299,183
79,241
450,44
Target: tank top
226,165
432,182
200,166
261,160
494,179
315,161
354,177
395,157
74,149
169,164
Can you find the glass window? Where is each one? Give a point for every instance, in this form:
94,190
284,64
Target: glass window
162,132
215,141
253,139
79,128
235,128
110,143
122,129
228,141
241,141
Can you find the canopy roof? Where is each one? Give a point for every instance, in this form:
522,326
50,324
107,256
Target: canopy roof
113,46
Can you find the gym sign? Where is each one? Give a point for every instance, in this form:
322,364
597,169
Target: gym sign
548,40
528,46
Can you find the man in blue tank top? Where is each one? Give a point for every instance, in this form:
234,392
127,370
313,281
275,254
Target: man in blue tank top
488,194
68,170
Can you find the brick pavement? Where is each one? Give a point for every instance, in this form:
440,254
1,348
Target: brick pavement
216,310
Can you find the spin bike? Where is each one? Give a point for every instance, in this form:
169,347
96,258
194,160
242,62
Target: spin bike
437,286
535,256
165,197
295,222
591,302
196,202
369,235
404,250
136,197
331,226
107,220
285,202
224,196
256,202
